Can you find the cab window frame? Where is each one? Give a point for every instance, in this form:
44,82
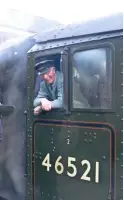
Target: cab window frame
85,47
51,53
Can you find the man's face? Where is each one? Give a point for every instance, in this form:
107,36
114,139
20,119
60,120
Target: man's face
49,76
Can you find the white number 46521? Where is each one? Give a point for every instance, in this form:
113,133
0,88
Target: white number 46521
59,167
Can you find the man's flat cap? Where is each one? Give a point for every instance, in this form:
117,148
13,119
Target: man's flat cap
44,66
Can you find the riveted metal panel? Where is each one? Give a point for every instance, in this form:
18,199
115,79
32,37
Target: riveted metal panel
58,139
114,22
68,42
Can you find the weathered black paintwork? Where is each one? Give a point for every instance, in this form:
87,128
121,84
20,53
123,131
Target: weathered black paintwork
89,134
85,28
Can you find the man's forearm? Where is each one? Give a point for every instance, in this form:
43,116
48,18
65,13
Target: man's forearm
56,103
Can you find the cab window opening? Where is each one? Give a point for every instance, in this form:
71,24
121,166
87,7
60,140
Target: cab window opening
56,59
48,94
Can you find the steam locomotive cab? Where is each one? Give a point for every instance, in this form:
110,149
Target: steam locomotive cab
72,152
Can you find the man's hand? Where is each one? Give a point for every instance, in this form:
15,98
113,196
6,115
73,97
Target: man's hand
46,104
37,110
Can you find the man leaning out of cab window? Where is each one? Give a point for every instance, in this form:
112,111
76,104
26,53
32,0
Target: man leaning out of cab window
50,95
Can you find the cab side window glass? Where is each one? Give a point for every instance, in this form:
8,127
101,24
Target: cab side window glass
92,79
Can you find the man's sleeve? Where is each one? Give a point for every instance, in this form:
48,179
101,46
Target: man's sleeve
42,94
57,103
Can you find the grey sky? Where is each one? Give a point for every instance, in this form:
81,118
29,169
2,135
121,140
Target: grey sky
64,11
